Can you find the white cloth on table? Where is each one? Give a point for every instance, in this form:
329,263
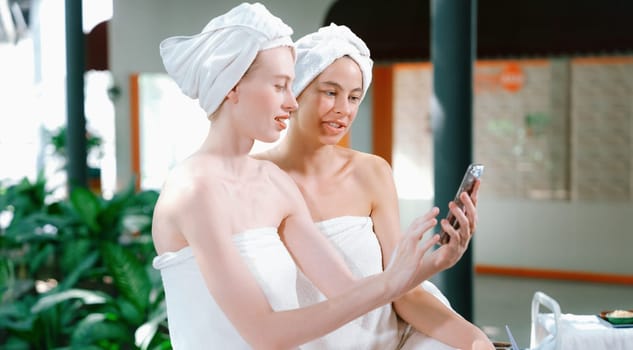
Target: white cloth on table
194,318
355,239
577,332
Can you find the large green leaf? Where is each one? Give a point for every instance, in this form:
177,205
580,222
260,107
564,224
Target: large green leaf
94,328
129,275
17,289
48,327
36,226
74,252
39,257
87,296
87,205
86,263
146,332
161,342
16,316
25,197
130,312
114,209
112,215
15,343
7,277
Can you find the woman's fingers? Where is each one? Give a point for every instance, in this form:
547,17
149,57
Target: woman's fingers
421,224
428,244
470,210
432,213
460,216
450,230
470,205
475,192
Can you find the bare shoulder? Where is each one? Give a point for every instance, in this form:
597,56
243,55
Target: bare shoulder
189,178
185,187
183,199
277,175
370,166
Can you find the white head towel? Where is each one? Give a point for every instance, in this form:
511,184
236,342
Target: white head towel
316,51
208,65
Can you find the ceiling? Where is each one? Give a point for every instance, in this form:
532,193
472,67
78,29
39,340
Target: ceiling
400,30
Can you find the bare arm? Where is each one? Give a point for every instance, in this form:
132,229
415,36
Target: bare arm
236,291
419,307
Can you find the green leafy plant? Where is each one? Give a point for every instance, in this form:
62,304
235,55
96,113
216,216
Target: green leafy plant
76,273
58,140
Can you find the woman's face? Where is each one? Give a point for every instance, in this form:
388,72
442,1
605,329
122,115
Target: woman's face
328,105
263,98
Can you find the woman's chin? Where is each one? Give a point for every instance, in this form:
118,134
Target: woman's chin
269,138
331,140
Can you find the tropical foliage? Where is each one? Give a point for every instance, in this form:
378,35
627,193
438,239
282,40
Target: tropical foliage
76,273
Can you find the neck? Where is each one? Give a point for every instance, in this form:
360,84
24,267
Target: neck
307,157
227,145
223,138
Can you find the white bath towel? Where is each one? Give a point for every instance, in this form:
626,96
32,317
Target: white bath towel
355,239
194,318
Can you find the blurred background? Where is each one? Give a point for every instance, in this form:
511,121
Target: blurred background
552,120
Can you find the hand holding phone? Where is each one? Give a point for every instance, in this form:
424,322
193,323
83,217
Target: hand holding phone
473,173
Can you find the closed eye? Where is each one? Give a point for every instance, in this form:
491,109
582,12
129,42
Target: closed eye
281,88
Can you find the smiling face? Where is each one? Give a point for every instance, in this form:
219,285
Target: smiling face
328,105
263,99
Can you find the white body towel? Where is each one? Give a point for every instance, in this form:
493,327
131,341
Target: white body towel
195,320
355,238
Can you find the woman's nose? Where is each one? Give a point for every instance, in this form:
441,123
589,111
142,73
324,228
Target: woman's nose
291,102
342,106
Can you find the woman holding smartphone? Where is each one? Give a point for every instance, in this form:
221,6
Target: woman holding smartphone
353,201
230,230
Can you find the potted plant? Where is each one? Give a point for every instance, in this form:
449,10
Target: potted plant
94,153
76,272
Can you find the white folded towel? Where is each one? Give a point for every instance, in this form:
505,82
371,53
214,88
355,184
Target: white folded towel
195,320
316,51
355,239
208,65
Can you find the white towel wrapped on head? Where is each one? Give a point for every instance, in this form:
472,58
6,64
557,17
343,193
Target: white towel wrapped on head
316,51
208,65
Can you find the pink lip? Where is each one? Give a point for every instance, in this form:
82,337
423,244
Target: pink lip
342,124
280,121
334,130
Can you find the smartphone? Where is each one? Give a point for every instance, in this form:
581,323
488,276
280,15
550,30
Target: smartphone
473,173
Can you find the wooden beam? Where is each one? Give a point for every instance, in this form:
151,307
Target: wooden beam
135,130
